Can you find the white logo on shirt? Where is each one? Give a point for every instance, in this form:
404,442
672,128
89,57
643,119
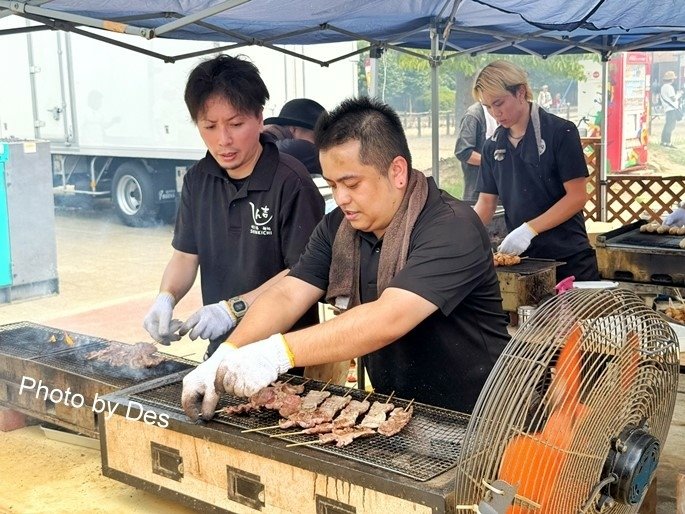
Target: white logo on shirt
499,154
261,217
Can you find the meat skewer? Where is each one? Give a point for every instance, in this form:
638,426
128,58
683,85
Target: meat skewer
325,413
347,418
272,397
397,420
341,437
376,415
139,355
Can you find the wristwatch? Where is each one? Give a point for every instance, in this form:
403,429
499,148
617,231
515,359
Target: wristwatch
237,306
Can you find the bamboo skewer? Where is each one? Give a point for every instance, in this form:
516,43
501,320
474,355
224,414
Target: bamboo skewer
316,441
259,429
408,405
367,396
390,397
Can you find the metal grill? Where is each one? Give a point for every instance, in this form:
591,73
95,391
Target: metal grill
428,446
528,266
29,340
642,240
74,360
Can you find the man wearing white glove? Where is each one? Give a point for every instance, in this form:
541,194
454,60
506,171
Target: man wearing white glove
246,211
410,266
158,321
199,393
677,217
534,164
518,240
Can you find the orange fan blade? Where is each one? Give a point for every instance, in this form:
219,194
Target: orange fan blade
535,461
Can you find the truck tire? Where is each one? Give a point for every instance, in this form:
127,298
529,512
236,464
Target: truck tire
133,195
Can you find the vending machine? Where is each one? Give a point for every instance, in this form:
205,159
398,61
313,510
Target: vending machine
628,112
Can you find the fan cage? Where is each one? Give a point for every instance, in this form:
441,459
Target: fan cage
549,427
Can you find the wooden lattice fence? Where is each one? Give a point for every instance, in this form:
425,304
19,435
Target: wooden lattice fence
629,197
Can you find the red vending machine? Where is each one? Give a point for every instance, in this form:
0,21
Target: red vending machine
628,113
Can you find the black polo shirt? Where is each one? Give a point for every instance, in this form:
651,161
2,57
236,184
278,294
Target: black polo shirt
445,360
528,185
244,237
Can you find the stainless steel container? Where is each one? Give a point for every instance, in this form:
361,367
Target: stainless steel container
525,312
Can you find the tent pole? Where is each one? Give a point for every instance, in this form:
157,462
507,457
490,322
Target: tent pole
435,108
604,157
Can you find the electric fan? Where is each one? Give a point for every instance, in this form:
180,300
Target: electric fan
575,412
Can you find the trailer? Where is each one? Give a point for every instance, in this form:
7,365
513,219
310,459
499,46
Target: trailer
116,120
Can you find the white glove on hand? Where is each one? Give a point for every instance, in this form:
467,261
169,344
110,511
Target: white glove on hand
158,320
518,240
676,218
199,396
254,366
210,322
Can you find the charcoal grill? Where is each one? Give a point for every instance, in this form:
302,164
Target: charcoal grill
628,255
27,350
527,283
412,470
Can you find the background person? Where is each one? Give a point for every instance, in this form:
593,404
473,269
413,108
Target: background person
669,99
293,130
534,164
545,98
475,127
411,264
246,210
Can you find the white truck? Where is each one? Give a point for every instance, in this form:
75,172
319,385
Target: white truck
116,119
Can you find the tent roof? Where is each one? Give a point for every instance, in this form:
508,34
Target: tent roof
536,27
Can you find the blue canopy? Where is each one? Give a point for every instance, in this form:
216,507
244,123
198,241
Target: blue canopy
537,27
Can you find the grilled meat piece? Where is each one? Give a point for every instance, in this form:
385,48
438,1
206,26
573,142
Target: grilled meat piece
396,421
344,436
313,399
376,415
139,355
348,416
272,397
325,413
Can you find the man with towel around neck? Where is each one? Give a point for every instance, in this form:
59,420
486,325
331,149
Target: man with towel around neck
409,266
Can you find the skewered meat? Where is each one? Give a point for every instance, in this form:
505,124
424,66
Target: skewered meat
313,399
348,416
376,415
307,404
677,313
272,397
502,259
396,421
325,413
139,355
344,436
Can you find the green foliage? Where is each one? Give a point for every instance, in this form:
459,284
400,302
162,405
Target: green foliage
404,80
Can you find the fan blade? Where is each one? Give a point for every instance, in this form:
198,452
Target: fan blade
535,461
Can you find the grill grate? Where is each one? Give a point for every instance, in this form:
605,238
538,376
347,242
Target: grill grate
74,360
528,266
29,340
428,446
640,239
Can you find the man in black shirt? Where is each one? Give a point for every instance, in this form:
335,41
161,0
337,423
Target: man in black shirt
293,130
535,164
246,210
410,266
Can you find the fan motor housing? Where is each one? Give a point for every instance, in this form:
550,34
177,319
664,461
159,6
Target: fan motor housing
633,459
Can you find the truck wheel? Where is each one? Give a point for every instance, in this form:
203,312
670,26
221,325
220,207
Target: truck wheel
133,195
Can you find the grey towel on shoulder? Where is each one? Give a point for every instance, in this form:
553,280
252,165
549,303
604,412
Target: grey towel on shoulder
343,277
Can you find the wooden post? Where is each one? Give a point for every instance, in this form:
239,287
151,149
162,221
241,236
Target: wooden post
418,123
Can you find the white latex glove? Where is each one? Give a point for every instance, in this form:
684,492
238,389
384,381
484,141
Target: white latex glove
518,240
254,366
158,320
676,218
199,396
210,322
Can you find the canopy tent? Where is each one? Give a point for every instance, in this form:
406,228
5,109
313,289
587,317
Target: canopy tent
535,27
446,27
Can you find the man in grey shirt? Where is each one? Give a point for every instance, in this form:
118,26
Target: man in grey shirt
472,135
